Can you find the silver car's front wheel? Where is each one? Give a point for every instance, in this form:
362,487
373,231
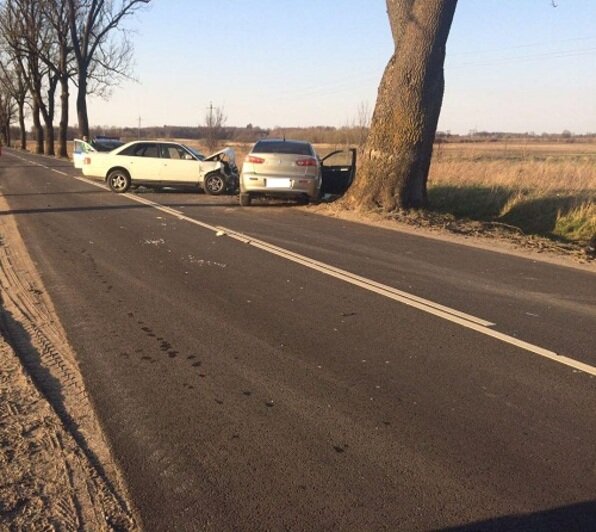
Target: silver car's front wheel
118,181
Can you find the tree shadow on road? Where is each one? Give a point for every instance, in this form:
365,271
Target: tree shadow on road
99,208
579,517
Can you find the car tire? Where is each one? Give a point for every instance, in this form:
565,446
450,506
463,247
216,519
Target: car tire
245,199
214,184
119,181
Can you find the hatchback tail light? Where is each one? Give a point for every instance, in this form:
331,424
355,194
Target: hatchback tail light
254,160
306,162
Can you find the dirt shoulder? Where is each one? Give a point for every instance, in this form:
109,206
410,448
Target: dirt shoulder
57,472
495,237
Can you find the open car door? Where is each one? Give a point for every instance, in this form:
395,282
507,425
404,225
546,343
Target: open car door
337,171
80,150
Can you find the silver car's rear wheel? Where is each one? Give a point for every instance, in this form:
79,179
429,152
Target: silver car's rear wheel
118,181
214,184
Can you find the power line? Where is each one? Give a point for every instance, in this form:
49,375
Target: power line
520,46
529,58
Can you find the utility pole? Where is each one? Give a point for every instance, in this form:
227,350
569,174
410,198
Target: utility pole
139,128
210,127
210,114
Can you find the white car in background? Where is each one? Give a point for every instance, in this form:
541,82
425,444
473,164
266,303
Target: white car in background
99,143
159,164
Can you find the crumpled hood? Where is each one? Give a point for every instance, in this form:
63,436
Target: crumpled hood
228,152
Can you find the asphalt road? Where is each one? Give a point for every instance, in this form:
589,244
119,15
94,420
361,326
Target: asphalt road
242,390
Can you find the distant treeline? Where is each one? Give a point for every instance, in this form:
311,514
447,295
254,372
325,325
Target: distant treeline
500,136
249,133
354,135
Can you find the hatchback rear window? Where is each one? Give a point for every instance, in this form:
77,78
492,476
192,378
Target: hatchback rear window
283,146
106,144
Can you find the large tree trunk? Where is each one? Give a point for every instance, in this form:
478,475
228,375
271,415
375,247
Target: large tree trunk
63,133
39,137
48,116
82,105
49,129
22,128
395,160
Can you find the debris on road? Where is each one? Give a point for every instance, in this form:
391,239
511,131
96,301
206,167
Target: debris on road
155,242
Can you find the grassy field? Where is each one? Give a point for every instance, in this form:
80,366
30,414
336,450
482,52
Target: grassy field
545,189
541,188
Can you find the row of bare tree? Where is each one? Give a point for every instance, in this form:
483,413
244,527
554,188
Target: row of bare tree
46,45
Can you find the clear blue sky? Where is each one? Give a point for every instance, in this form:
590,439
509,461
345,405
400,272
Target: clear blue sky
512,65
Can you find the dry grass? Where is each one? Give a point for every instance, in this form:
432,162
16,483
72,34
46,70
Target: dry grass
546,189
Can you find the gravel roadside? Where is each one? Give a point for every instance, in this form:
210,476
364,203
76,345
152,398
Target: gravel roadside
56,468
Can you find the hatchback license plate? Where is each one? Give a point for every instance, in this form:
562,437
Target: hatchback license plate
278,182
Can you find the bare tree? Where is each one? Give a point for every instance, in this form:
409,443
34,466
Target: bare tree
14,48
29,37
7,112
58,58
102,54
395,161
11,81
215,120
363,122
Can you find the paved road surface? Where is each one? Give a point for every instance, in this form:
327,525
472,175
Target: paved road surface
242,390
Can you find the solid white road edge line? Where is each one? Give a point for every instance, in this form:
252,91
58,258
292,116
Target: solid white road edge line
446,313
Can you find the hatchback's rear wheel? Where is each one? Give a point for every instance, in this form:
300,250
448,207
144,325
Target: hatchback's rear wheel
245,199
214,184
118,181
